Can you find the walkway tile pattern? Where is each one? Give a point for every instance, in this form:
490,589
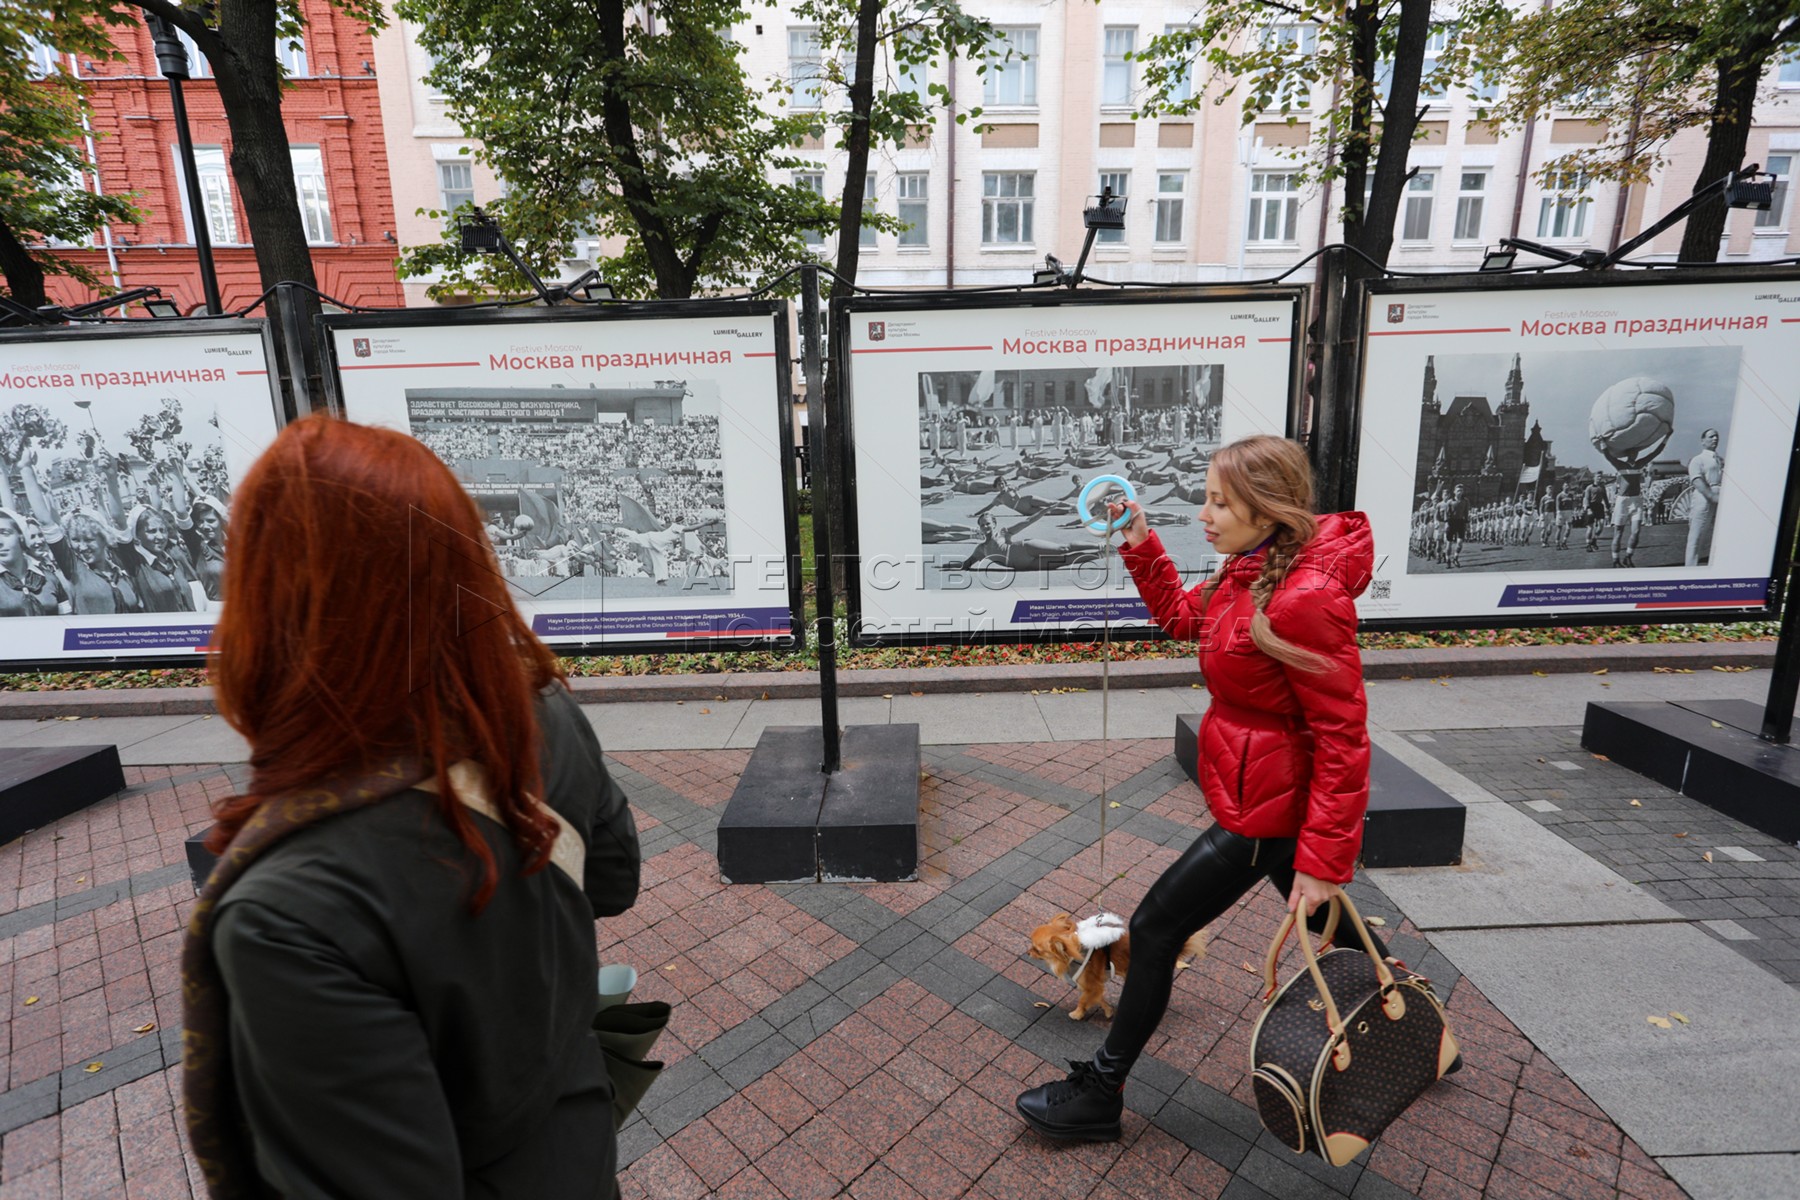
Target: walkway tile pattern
829,1040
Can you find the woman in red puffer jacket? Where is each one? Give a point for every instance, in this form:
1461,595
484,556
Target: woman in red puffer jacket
1284,747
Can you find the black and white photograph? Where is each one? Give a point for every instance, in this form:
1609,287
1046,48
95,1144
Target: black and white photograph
1558,460
1004,455
615,491
112,504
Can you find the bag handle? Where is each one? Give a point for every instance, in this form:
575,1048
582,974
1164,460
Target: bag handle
568,852
1274,955
1393,1004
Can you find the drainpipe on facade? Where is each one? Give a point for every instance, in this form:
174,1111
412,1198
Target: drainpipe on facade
1631,139
93,162
1337,97
950,194
1524,165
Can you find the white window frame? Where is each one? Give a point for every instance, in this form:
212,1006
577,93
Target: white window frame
913,190
292,54
1012,82
815,180
1295,36
1117,44
1563,208
199,67
1274,215
1471,205
449,197
214,169
1437,40
1181,87
1418,204
1120,182
806,71
1774,219
1787,70
41,58
1171,208
866,235
312,193
997,201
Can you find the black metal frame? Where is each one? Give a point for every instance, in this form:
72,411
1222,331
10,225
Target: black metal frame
326,324
844,311
1363,295
140,328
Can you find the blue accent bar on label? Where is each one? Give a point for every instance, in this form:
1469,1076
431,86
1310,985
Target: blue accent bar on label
137,637
1073,612
737,622
1633,593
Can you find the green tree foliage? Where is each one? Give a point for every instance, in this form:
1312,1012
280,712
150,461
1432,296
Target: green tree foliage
1365,59
618,120
1646,70
43,197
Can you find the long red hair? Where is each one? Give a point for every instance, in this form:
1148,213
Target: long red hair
366,618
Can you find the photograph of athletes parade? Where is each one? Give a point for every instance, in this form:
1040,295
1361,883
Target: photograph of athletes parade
116,506
588,491
1553,461
1003,456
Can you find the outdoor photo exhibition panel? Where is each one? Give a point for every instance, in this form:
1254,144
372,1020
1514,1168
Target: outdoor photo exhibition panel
1577,449
978,420
119,449
632,463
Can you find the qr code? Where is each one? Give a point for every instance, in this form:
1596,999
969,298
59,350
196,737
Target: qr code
1381,589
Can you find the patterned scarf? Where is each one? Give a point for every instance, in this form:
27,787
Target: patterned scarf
216,1129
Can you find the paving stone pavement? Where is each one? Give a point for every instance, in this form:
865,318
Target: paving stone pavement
854,1040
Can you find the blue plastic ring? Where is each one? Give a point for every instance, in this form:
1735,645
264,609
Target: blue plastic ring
1100,525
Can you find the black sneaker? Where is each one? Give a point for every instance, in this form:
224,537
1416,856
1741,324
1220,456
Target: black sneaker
1084,1107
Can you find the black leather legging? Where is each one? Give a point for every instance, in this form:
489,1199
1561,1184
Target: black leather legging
1214,873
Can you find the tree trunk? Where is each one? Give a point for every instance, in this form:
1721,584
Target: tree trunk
849,247
1374,235
674,281
1726,142
24,278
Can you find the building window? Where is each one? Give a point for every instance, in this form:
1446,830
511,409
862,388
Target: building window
1170,187
806,68
1181,72
915,209
1274,206
1115,86
814,182
292,53
1436,42
309,186
1563,212
1012,71
1006,199
1120,183
865,237
915,79
41,58
1775,216
198,66
1470,198
1788,74
215,194
1300,41
1415,214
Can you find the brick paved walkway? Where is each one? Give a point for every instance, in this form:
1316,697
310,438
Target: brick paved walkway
828,1040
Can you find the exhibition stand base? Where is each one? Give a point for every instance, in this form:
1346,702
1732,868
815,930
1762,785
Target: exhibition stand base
41,784
1708,750
788,822
1411,822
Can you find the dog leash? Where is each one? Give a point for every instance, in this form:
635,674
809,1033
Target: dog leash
1105,532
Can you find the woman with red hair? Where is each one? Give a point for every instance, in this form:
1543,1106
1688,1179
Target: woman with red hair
389,979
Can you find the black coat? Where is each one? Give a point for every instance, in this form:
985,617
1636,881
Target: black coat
385,1042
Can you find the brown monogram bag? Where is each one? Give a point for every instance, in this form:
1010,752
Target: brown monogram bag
1345,1045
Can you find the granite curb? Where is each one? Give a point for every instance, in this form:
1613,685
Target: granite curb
1156,673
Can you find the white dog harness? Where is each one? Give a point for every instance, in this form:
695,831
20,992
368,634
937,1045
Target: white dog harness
1093,933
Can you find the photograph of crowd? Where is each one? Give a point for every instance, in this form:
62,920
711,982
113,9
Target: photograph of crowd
110,507
1003,456
616,491
1560,460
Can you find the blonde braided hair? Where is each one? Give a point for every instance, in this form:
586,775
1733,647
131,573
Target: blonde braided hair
1270,477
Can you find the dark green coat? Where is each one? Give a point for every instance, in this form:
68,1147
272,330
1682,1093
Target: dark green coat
385,1043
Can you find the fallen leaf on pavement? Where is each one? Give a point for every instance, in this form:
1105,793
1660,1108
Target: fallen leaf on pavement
1683,833
146,1027
1707,856
1542,674
1182,966
1378,922
1113,804
1680,1017
706,712
887,695
1601,671
918,693
1040,1004
1660,1022
30,1000
1602,758
92,1067
1248,968
1637,804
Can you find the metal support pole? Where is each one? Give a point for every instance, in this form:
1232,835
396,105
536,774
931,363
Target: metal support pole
824,491
1326,457
209,278
1784,680
293,343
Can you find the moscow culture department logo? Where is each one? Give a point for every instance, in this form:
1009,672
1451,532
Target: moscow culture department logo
1396,313
877,331
360,346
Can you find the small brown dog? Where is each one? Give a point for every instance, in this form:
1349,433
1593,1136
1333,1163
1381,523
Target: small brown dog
1084,953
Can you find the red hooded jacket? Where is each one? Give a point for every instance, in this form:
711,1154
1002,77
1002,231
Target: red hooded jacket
1283,752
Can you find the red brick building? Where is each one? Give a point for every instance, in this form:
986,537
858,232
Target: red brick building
333,116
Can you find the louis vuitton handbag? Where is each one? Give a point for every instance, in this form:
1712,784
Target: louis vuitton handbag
1345,1045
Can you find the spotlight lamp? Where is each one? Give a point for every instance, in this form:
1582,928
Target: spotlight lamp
1105,211
162,308
598,290
480,234
1051,273
1754,190
1500,259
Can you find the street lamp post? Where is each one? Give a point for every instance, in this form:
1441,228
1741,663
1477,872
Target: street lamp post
171,57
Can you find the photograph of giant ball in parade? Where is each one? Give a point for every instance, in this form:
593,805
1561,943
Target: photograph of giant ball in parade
1004,455
1571,460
